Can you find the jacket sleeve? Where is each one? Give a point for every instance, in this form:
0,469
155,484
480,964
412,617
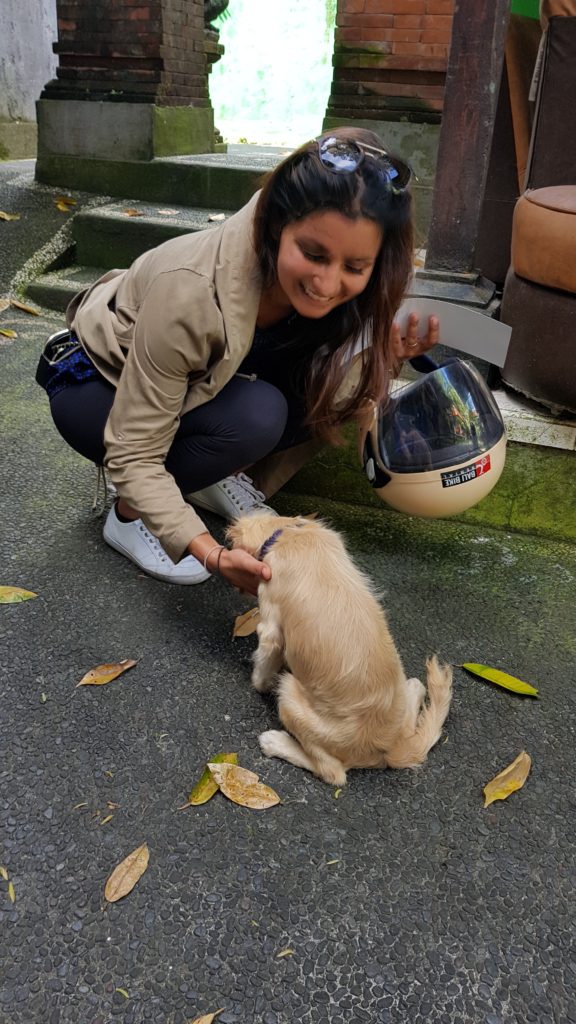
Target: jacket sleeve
178,332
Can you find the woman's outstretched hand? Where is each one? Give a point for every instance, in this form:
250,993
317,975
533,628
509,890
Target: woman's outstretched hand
236,566
414,343
242,570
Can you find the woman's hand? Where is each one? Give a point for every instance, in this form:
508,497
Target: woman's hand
412,343
242,570
239,568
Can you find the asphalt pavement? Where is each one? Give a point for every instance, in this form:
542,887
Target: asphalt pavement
398,899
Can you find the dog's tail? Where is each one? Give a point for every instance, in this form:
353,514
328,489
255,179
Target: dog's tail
412,750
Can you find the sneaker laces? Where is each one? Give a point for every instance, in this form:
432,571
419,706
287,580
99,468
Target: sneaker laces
153,542
104,491
242,492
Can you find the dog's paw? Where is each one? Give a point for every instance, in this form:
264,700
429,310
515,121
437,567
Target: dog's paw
272,742
262,683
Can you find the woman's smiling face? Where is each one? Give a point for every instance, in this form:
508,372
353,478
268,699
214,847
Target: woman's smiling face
325,259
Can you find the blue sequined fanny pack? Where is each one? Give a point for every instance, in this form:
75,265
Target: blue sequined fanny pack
63,363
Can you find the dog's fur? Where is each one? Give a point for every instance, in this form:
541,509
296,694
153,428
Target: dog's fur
342,693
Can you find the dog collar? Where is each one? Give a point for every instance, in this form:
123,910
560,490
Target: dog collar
268,544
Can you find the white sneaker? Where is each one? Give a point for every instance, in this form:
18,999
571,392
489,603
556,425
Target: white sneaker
232,497
137,543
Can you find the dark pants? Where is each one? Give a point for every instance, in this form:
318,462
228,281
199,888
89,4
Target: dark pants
245,421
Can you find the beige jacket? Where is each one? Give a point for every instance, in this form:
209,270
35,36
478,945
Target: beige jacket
169,333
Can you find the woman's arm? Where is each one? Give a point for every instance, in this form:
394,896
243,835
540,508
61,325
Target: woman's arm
178,331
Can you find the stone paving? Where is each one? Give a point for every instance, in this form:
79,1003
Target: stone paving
399,899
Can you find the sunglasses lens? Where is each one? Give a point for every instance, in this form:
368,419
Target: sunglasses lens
343,156
340,155
397,174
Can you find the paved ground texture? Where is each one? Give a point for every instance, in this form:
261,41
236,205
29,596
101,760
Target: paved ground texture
400,899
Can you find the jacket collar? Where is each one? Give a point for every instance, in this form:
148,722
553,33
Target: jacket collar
237,279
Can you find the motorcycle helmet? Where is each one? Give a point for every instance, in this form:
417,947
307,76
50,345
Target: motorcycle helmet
438,446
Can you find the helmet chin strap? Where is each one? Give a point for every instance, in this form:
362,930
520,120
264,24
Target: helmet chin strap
423,363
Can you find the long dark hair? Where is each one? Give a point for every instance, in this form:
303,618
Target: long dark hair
299,186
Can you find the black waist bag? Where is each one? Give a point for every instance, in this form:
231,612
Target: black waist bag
58,347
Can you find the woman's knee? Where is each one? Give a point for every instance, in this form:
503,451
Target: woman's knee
263,415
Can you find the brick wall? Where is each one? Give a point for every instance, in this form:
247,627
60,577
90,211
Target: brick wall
390,59
147,50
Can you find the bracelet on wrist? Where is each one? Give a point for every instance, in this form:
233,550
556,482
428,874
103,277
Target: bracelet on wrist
222,548
208,553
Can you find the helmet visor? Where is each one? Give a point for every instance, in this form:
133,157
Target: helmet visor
446,418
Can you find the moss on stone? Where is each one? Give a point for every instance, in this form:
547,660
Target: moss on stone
182,130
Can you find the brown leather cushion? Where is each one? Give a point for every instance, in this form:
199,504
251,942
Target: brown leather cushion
544,237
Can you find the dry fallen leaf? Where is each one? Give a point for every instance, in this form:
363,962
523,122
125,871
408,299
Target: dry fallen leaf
285,952
509,780
337,793
247,623
206,787
122,992
3,873
76,806
14,595
207,1018
107,819
11,893
131,212
63,203
7,332
507,682
9,216
243,787
105,673
125,875
24,307
4,303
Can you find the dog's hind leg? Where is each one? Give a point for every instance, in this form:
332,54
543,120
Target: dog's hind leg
415,696
309,731
269,656
276,743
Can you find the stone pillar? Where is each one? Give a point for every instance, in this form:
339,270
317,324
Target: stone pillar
390,60
473,86
27,31
131,85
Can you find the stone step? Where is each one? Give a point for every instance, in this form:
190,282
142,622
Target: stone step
115,234
210,180
55,289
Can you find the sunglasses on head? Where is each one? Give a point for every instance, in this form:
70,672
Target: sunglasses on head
343,156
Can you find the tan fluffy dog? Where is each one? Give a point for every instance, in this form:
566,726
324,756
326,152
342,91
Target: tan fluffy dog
343,696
